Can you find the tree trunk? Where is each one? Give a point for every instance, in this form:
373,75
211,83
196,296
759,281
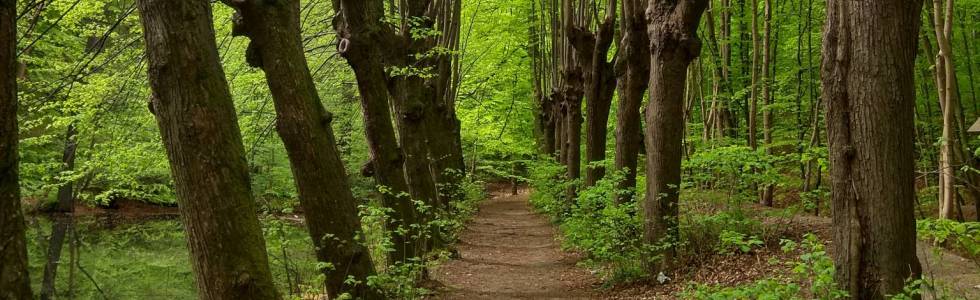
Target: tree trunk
766,197
59,231
356,24
867,76
196,115
754,102
951,156
66,192
305,128
600,83
635,59
14,284
673,45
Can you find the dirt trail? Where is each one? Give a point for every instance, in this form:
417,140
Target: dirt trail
509,252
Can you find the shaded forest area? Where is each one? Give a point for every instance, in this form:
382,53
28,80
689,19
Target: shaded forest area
308,149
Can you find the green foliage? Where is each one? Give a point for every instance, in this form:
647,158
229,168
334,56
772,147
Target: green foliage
721,232
610,233
732,242
766,289
733,168
812,268
961,236
549,184
815,266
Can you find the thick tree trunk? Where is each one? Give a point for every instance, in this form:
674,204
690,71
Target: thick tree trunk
869,54
572,93
573,130
305,128
600,83
673,45
359,31
635,58
14,283
196,115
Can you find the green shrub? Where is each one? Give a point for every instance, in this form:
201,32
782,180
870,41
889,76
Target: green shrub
732,242
962,236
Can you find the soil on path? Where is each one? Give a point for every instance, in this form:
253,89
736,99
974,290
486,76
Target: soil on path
509,252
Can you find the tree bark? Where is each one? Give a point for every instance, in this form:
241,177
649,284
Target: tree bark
753,135
672,26
59,231
600,83
766,196
361,40
305,128
635,59
14,283
951,152
572,93
196,115
867,75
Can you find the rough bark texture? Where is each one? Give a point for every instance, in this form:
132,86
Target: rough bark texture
635,59
674,44
14,282
869,53
600,82
305,128
361,40
196,115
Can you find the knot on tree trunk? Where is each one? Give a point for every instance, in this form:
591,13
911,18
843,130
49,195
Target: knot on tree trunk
367,169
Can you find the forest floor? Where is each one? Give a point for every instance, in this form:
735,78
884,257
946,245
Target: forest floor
509,252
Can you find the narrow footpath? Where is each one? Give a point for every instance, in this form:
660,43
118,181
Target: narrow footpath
509,252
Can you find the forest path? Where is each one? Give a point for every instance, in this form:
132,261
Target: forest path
509,252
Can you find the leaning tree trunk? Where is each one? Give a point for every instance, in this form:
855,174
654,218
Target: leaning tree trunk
196,115
304,126
635,58
867,75
356,24
674,44
14,282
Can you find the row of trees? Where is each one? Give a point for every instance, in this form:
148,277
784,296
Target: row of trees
867,79
403,56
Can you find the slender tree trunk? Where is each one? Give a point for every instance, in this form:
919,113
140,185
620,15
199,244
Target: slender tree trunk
950,152
59,230
356,24
674,44
754,103
868,85
196,115
305,128
635,58
767,57
14,283
66,192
